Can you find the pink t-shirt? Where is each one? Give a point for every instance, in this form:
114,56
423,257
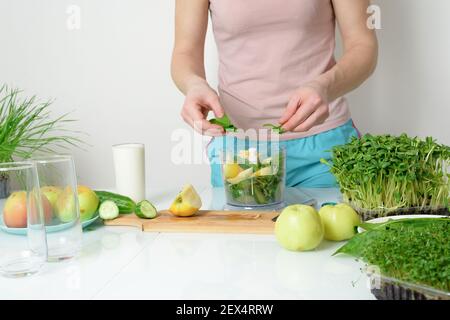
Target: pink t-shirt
267,50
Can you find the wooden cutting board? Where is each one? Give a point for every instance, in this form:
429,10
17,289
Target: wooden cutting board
205,221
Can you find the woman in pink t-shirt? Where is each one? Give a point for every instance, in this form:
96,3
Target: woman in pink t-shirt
276,65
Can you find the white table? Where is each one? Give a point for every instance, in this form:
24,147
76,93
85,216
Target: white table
125,263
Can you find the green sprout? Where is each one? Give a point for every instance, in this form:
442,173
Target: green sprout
387,172
412,250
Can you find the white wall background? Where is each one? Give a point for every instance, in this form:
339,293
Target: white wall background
113,74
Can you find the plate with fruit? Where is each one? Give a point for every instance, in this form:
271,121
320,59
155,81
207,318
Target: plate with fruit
57,207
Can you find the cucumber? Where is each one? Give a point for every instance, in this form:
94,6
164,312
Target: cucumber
145,210
124,203
259,196
108,210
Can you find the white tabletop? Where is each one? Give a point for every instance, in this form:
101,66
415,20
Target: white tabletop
126,263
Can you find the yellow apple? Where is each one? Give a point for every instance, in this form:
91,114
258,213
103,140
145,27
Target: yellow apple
187,203
298,228
51,193
339,221
65,207
88,201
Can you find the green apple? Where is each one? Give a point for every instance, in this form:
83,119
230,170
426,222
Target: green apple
52,194
299,228
88,201
65,207
339,221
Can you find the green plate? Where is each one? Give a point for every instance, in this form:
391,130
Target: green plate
48,229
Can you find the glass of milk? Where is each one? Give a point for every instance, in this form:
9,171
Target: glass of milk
129,167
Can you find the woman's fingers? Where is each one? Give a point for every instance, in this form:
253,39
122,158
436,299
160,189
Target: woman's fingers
290,109
216,107
305,110
195,117
316,118
199,102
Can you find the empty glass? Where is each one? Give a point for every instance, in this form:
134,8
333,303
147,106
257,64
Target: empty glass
58,182
23,248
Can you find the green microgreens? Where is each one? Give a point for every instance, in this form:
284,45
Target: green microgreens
387,172
411,250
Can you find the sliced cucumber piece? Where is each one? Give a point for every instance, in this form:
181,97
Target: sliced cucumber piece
145,210
108,210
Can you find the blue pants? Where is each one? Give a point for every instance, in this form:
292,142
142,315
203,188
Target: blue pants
303,166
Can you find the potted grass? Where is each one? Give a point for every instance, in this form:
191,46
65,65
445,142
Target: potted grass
26,127
389,175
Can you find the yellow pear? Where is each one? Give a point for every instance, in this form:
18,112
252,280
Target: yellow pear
187,203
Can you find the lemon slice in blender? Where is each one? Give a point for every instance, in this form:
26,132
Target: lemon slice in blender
231,170
241,176
266,161
266,171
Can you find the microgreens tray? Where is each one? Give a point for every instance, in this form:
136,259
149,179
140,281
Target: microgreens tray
385,288
367,215
406,258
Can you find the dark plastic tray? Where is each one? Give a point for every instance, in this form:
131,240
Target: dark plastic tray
366,214
394,289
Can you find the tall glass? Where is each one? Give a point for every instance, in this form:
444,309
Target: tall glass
58,183
129,167
22,254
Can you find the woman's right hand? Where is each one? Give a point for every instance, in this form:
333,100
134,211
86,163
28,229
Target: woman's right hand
200,100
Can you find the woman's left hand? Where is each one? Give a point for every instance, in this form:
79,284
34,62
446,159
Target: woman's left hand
307,108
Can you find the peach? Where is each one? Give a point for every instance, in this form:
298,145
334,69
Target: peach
15,210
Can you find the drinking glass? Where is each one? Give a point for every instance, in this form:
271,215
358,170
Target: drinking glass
58,182
23,247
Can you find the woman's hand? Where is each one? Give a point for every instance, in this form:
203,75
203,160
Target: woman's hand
307,108
200,100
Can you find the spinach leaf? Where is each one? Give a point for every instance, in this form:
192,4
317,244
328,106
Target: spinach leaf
224,122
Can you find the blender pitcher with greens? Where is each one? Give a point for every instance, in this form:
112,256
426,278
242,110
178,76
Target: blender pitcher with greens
254,174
